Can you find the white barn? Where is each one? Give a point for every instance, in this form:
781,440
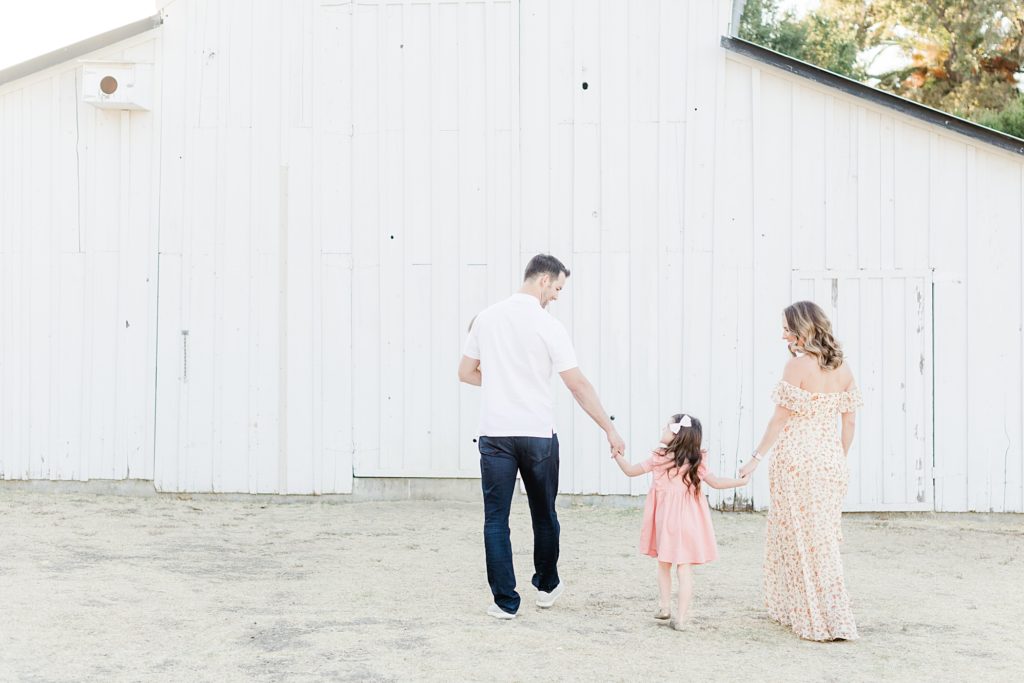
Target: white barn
250,267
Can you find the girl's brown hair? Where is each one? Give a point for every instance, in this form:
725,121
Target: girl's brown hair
685,451
813,329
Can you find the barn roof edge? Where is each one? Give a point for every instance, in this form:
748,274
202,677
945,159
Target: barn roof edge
880,97
82,47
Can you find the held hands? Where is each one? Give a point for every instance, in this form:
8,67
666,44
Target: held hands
748,469
615,443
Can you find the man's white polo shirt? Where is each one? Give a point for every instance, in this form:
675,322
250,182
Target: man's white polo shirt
519,346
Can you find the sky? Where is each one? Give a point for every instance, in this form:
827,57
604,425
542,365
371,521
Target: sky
800,7
29,28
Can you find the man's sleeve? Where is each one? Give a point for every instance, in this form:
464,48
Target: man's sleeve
563,356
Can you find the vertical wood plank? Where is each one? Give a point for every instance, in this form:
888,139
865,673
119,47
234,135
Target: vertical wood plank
870,373
65,163
918,323
37,218
170,376
642,376
587,307
586,188
561,83
535,123
894,391
949,169
774,207
301,279
449,447
393,238
841,185
332,106
232,466
869,190
911,209
68,444
137,294
809,189
365,241
473,149
849,327
101,356
613,368
611,86
268,193
337,403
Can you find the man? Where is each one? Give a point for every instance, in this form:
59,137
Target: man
512,349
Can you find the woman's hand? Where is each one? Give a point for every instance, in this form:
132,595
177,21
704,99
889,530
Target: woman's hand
748,469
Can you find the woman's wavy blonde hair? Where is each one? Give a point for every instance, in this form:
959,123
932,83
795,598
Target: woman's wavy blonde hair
813,331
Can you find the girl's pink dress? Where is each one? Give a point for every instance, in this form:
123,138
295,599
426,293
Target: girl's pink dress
677,522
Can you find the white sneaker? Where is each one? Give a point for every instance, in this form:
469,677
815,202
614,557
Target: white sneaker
499,613
548,599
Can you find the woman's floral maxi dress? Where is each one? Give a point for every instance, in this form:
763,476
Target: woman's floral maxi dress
803,570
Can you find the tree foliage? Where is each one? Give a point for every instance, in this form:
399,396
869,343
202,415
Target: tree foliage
1010,119
960,56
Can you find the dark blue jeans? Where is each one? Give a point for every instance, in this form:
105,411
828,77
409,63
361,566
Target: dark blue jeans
537,460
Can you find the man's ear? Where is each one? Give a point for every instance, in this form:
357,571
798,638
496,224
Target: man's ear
544,280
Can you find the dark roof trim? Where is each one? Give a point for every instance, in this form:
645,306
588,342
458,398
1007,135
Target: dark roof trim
874,95
83,47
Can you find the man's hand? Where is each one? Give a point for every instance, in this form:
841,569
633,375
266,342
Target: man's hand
615,442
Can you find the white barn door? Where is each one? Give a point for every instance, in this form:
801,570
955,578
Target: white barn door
254,349
884,321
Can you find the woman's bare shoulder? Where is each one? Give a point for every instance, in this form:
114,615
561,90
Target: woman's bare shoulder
845,376
797,369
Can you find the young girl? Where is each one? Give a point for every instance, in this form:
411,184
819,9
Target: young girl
677,521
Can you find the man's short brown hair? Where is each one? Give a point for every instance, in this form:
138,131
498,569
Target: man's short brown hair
544,264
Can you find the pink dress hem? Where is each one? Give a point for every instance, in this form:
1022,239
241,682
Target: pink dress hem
677,521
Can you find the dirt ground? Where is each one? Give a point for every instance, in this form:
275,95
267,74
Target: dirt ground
101,587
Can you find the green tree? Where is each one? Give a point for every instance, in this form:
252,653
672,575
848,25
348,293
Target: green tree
1009,119
962,56
817,38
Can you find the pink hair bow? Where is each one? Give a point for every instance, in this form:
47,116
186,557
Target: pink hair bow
684,422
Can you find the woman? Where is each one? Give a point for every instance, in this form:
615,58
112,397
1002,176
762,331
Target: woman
803,571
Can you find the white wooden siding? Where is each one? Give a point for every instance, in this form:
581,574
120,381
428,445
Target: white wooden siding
916,201
78,279
884,321
263,285
434,149
255,365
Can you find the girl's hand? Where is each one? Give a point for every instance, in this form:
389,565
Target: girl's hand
745,478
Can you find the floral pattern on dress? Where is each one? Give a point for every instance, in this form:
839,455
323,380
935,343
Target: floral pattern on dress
807,479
